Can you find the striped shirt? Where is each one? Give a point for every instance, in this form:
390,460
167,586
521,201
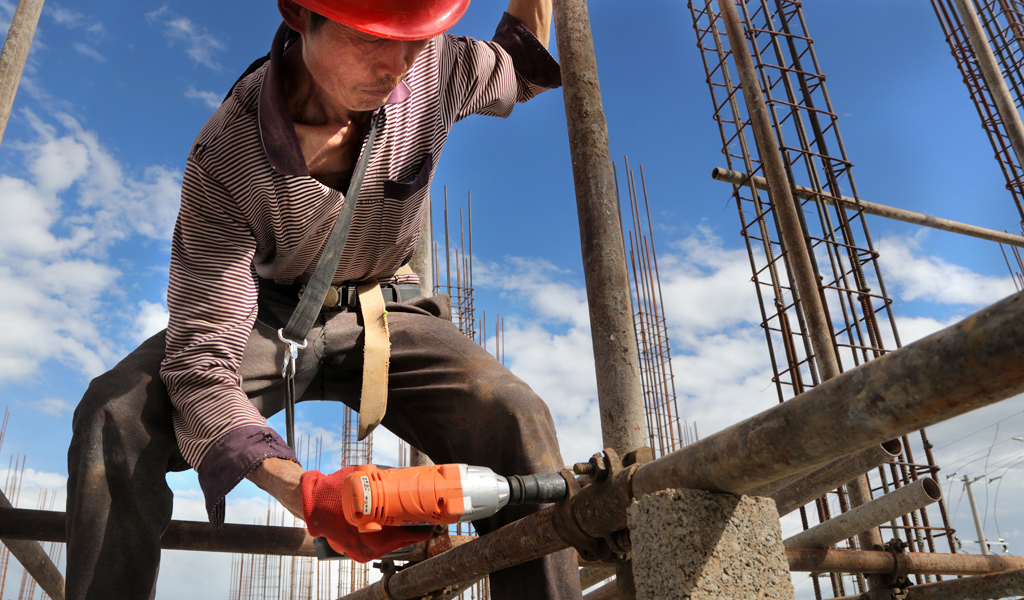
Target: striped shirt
249,207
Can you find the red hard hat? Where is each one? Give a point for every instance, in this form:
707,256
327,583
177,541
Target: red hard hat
393,19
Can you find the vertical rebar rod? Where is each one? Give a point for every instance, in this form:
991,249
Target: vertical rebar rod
15,53
993,76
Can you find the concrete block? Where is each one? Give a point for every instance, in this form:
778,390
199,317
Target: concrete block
695,545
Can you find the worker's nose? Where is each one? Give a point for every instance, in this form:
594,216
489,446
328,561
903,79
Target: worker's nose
396,57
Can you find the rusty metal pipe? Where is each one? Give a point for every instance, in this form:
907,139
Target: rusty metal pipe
616,357
34,559
14,54
49,526
591,576
623,424
966,366
820,560
793,492
782,196
981,587
971,364
879,210
607,591
909,498
993,77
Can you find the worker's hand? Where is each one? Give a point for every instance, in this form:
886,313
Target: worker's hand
322,510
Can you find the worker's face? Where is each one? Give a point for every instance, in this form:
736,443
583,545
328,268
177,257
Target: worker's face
356,69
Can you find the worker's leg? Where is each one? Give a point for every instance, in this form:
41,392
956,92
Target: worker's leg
451,399
118,502
122,446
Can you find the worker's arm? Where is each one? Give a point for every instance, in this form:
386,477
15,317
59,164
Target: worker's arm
535,15
282,479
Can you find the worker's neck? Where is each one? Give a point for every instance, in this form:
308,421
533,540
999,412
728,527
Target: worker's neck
307,102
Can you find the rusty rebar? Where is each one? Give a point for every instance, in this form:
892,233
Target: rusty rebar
879,210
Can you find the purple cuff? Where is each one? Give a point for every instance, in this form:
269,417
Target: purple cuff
530,58
233,457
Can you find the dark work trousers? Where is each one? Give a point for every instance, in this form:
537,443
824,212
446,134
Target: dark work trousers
447,397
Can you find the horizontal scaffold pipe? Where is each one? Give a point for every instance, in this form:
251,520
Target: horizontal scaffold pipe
49,526
879,210
851,523
982,587
791,493
819,560
24,524
971,364
34,559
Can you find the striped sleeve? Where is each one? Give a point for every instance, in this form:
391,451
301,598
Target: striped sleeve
212,302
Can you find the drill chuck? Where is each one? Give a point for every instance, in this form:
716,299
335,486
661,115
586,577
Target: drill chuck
536,489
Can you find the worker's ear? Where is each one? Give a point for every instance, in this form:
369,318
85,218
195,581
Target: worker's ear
294,16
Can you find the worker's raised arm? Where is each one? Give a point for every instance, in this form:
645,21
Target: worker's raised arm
535,15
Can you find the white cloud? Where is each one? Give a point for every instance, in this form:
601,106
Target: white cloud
55,407
151,319
73,19
210,99
914,276
199,44
58,224
89,51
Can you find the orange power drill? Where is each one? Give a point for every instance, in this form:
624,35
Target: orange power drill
373,497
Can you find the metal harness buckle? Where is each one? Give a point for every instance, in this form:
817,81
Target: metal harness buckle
291,355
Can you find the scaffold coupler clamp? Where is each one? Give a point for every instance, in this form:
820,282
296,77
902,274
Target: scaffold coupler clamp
598,537
898,579
291,357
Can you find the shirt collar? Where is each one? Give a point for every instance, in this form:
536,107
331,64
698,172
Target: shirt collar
277,133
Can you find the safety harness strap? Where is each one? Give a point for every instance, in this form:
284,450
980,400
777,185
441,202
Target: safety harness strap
308,308
373,400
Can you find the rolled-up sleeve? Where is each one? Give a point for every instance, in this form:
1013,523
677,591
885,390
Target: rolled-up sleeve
488,78
212,302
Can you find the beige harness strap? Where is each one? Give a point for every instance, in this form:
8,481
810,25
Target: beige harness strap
376,355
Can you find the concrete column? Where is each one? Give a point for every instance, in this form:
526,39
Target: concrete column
696,545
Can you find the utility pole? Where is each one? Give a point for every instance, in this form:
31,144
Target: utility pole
15,53
974,510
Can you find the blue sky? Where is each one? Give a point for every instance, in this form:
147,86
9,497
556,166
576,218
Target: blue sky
113,95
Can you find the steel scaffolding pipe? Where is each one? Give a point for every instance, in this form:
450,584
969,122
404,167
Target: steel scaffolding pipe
791,493
981,587
820,560
32,557
903,501
879,210
993,76
623,424
616,357
966,366
14,54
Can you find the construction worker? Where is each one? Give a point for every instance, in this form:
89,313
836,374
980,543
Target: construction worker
264,182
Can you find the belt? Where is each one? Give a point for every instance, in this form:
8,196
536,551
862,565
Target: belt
346,295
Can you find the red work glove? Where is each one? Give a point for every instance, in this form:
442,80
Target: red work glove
322,510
